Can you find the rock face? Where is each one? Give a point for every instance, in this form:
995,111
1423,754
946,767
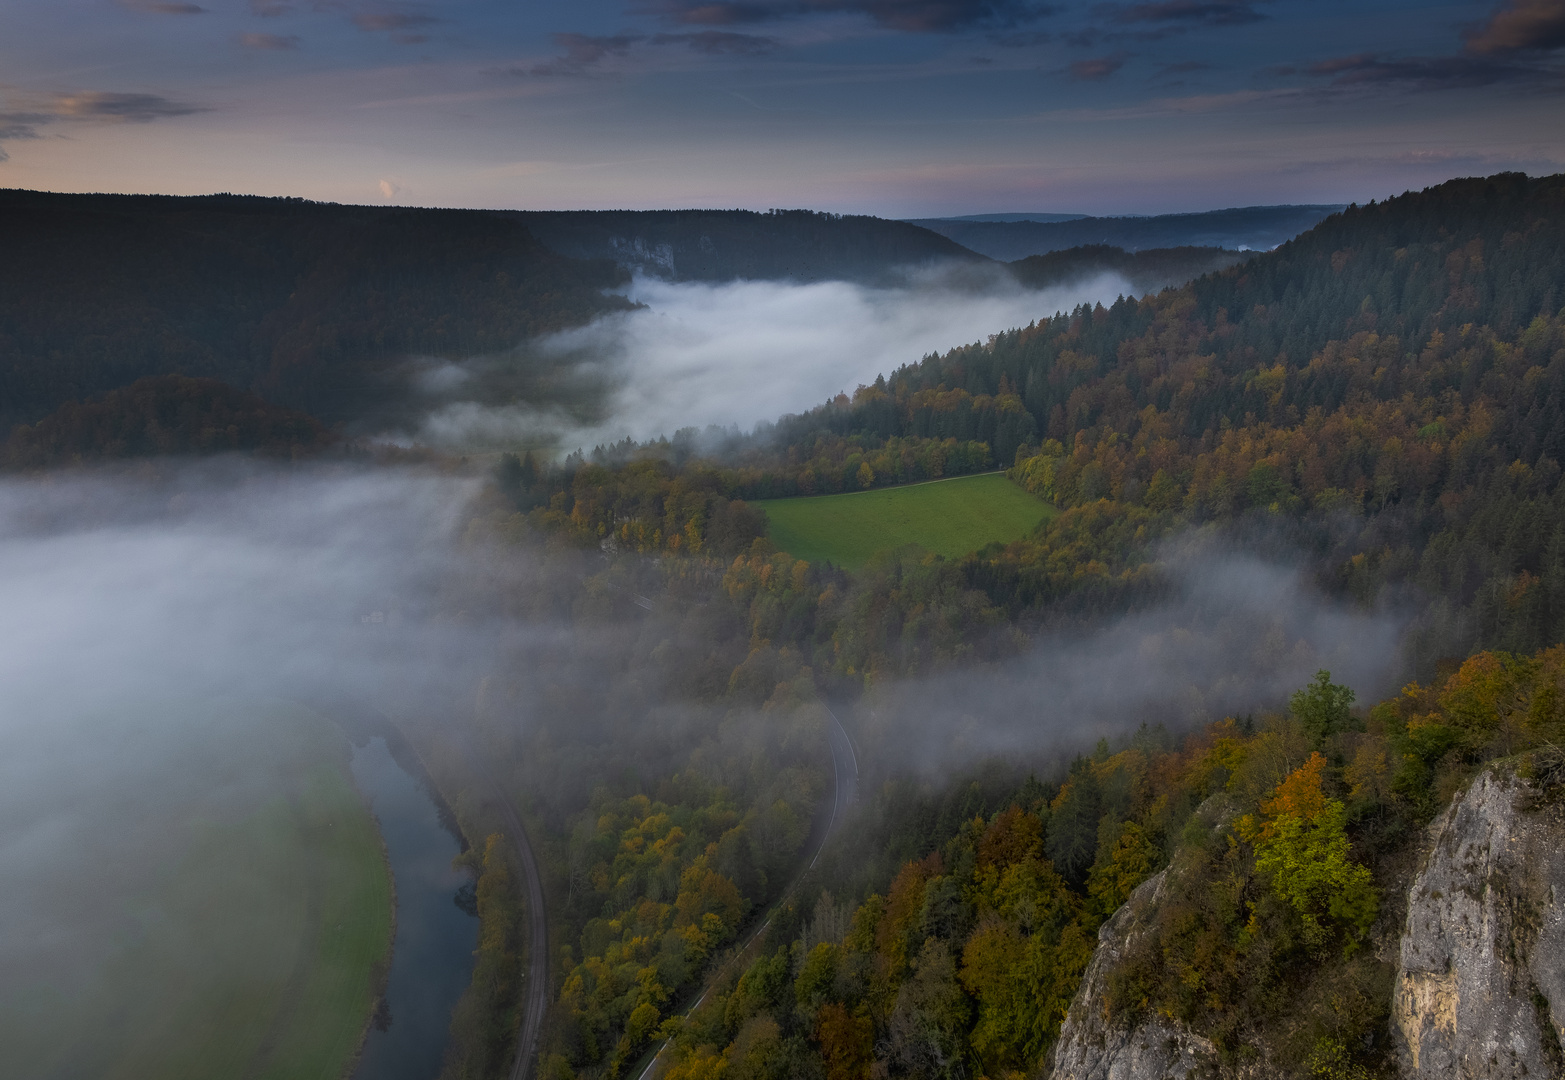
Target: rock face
1090,1048
1480,988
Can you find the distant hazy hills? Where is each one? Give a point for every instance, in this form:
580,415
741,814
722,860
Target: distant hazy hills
1009,237
1013,217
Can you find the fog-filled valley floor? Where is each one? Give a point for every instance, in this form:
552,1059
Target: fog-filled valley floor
172,630
513,664
735,354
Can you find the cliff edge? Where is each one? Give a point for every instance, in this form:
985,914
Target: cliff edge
1480,989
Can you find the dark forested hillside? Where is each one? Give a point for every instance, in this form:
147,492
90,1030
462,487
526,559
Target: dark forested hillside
1379,398
162,415
721,245
308,303
1146,271
1254,227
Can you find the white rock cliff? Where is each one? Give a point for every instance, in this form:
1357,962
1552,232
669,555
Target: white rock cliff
1480,988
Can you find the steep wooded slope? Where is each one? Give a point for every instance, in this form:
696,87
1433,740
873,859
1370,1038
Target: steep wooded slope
311,304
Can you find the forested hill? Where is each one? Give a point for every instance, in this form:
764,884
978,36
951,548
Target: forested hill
1148,270
1389,387
1257,228
308,303
722,245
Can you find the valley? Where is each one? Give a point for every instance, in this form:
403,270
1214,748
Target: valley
1179,640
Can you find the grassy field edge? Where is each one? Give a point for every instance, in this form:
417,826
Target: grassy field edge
949,517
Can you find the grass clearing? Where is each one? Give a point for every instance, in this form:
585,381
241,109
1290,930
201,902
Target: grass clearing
948,517
241,932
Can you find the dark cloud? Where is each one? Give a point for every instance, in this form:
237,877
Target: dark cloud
1022,39
22,125
1417,72
1097,68
580,52
1188,13
164,7
588,49
391,20
17,126
720,43
89,106
912,16
1510,47
1186,67
1522,26
120,108
270,9
270,41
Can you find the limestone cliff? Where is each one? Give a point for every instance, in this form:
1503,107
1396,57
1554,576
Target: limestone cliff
1092,1048
1480,982
1480,988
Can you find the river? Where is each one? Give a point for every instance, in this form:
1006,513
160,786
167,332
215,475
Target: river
432,959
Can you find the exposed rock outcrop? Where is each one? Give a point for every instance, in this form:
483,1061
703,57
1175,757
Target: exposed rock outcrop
1480,983
1480,988
1092,1048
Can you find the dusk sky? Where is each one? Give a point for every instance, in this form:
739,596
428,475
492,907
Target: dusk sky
894,107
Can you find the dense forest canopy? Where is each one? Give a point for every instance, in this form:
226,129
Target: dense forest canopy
341,311
164,415
1390,383
950,938
1146,270
312,305
1380,398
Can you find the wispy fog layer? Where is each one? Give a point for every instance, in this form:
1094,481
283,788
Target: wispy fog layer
737,353
158,636
1238,634
162,624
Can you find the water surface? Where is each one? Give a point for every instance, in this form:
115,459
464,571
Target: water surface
432,960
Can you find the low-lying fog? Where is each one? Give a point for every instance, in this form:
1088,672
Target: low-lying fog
151,613
732,354
160,627
1237,633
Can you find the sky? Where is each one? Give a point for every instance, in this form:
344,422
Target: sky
901,108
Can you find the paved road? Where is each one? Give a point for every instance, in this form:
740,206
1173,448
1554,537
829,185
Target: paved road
845,792
845,779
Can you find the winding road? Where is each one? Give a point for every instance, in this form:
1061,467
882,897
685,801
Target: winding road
845,792
536,1002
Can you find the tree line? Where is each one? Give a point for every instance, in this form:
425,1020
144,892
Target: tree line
313,305
1388,390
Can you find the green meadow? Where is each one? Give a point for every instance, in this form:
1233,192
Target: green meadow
947,517
239,930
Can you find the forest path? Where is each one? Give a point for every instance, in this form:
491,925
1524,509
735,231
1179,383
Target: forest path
845,792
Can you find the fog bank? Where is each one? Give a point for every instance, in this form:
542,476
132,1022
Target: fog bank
167,625
1238,634
164,633
732,354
